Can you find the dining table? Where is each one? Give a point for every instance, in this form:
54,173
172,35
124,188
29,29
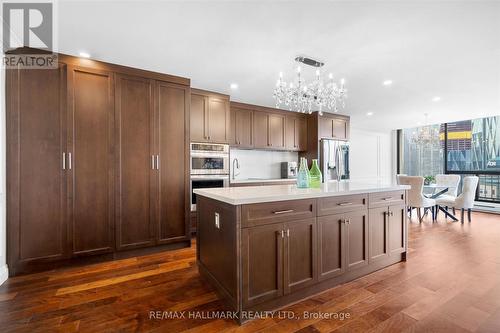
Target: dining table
437,191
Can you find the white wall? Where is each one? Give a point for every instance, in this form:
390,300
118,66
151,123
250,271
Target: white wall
372,155
260,163
3,239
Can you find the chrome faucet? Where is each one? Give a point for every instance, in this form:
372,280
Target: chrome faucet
237,167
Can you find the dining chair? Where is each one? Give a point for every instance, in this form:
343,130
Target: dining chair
416,199
465,200
451,182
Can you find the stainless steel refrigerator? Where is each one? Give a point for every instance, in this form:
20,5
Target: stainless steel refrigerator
334,160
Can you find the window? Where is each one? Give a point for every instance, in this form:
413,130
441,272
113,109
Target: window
422,151
467,148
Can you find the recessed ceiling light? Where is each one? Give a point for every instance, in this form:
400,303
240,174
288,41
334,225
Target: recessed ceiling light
369,114
387,82
84,55
436,99
234,86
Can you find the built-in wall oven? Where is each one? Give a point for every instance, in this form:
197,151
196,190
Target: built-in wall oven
209,167
209,159
206,181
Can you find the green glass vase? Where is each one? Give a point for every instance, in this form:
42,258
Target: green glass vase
315,176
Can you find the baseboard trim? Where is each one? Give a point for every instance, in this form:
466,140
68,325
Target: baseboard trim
4,274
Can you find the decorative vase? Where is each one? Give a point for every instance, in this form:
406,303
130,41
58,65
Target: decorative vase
315,176
303,174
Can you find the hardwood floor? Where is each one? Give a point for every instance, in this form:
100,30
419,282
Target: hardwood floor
450,283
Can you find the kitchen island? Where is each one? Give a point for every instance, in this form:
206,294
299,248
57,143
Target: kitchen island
264,247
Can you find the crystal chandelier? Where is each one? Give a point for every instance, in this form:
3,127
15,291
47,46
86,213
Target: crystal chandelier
306,97
426,135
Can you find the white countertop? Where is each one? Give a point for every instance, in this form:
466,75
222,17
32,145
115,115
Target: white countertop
269,193
262,180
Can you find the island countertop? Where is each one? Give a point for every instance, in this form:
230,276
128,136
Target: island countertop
272,193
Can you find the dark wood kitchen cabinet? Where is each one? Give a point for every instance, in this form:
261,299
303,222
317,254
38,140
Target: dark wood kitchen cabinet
82,141
262,270
356,239
260,133
90,160
296,133
331,246
300,255
268,130
241,127
280,252
36,166
276,131
172,114
378,231
210,117
135,188
332,126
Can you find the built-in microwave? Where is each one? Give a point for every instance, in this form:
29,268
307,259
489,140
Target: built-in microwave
209,159
206,181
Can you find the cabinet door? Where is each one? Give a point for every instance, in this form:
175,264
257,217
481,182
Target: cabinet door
339,126
357,239
36,140
276,131
325,127
397,229
378,233
172,167
243,128
290,133
135,148
260,130
218,120
331,246
198,110
300,254
262,260
91,105
301,133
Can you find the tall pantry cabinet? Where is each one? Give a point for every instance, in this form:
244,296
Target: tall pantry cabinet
96,162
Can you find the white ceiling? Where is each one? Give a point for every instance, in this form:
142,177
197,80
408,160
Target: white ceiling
449,49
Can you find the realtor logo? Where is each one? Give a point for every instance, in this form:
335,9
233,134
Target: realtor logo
28,25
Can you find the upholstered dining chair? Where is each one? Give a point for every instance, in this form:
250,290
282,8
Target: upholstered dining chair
416,199
465,200
451,182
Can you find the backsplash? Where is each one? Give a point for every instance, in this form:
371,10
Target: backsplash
260,163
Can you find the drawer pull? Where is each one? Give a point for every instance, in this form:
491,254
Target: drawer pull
388,198
345,203
283,211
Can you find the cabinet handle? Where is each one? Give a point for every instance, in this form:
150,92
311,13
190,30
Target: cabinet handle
64,161
287,232
69,161
283,211
157,162
152,162
345,203
388,198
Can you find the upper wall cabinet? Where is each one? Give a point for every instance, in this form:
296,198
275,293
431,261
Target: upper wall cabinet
296,132
241,127
265,128
209,117
334,127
